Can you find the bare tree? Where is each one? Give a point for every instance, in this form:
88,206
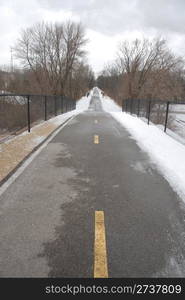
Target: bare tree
146,68
140,58
50,52
82,80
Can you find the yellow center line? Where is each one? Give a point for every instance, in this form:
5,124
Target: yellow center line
100,253
96,139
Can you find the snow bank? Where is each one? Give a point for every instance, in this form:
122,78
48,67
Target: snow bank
108,104
81,106
164,151
62,118
83,103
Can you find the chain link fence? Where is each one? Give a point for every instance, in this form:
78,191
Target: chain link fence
169,114
18,112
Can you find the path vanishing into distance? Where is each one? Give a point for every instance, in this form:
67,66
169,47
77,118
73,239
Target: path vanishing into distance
91,204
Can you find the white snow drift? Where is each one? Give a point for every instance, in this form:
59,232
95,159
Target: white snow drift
167,153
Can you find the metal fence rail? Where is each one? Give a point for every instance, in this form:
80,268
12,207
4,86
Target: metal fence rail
156,111
20,111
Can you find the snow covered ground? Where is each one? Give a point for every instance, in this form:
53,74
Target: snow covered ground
178,123
109,105
177,108
83,103
165,152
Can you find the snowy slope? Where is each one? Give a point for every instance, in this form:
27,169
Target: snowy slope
109,105
83,103
167,153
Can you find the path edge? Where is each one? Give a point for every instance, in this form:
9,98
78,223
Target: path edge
32,151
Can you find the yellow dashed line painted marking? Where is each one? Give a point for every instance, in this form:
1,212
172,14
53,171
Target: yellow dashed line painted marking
96,139
100,253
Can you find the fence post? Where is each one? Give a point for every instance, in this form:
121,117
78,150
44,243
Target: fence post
28,112
146,109
61,104
131,102
45,108
55,105
126,108
66,105
166,119
138,107
149,109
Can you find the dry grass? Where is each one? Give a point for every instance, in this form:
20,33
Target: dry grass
15,150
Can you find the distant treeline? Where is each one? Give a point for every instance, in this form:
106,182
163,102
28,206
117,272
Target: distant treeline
145,69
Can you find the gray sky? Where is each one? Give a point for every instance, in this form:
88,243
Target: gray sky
107,22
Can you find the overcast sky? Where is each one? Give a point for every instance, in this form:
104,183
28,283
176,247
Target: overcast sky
107,22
